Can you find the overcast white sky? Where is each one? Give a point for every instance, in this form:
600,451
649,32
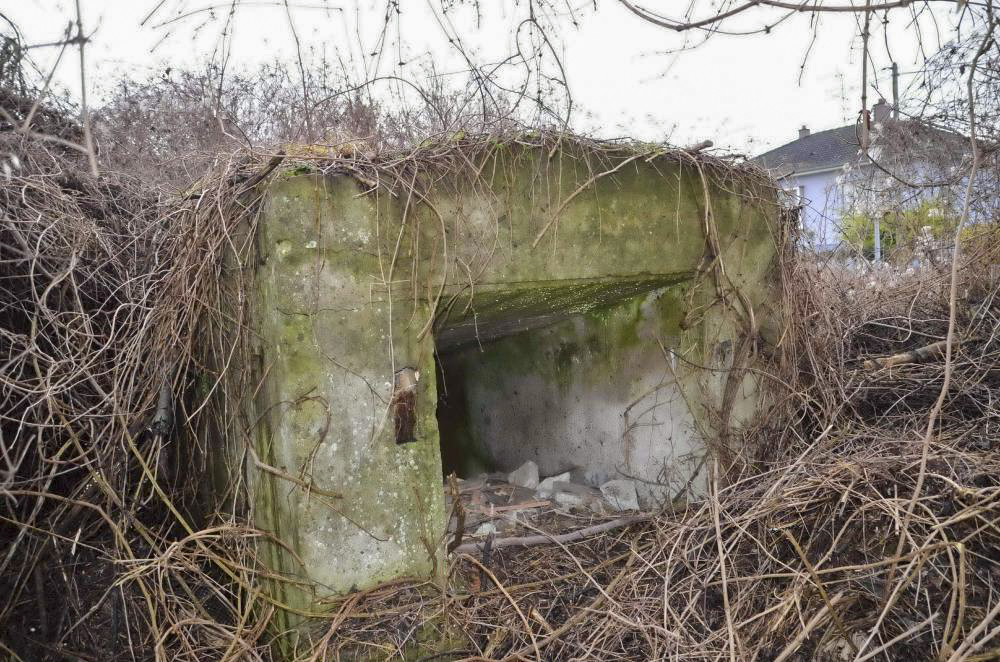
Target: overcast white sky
743,92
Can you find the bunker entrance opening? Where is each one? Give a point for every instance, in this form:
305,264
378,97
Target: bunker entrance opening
550,376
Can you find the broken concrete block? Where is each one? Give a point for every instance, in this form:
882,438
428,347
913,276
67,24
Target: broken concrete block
525,475
546,488
571,495
569,499
621,494
575,488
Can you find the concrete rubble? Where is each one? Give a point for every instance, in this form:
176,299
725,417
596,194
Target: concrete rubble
525,475
547,487
493,504
621,494
485,529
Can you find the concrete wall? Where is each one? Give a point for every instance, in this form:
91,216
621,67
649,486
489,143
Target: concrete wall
329,341
349,282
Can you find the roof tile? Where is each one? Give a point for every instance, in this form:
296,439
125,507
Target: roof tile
824,149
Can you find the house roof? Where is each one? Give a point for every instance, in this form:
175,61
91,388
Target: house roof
892,141
817,151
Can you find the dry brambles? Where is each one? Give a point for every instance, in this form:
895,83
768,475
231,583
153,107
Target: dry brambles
116,362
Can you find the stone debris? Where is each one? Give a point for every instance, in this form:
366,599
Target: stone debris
492,504
525,475
571,495
621,494
838,649
546,488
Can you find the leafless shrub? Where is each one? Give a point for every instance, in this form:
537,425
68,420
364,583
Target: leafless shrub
172,127
103,289
12,58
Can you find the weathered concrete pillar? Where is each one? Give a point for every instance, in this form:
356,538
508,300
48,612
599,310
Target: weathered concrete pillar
359,508
631,283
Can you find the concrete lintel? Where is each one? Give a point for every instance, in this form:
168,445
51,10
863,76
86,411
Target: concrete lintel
499,310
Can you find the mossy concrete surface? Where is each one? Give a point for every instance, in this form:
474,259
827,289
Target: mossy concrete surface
350,283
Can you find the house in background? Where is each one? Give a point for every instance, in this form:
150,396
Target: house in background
909,163
812,169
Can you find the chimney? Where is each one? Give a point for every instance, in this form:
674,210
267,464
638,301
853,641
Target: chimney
881,112
803,132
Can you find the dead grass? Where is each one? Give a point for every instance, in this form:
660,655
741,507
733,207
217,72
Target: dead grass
790,559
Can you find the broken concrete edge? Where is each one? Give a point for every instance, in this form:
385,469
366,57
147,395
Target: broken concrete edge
547,487
621,494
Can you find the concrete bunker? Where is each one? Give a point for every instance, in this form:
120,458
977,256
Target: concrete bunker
573,303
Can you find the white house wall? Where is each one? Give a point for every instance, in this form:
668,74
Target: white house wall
822,200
